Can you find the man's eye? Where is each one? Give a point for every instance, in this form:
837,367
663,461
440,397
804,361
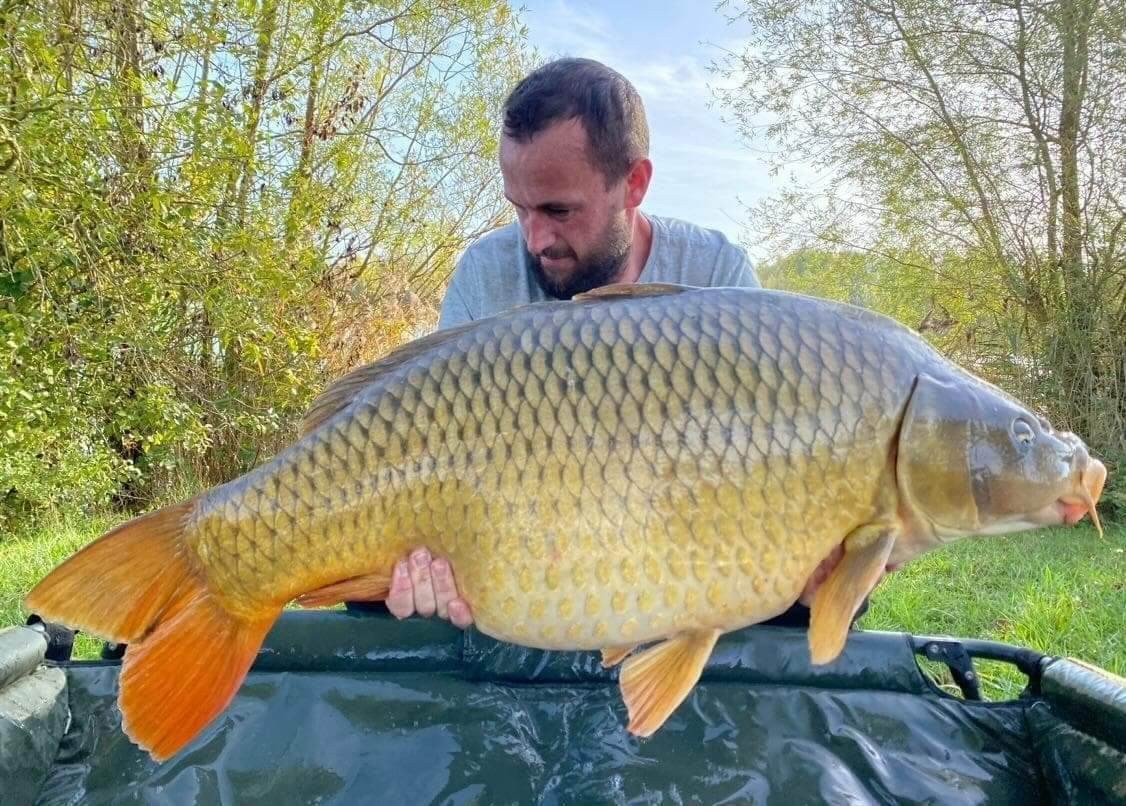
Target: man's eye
557,211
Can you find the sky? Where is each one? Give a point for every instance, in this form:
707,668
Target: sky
703,170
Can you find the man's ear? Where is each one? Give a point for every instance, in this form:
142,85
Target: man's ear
637,182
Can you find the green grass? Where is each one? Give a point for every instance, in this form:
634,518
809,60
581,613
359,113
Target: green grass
1059,591
27,557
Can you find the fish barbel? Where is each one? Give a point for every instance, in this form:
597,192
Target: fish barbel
644,463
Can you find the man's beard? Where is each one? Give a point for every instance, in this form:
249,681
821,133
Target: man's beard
601,268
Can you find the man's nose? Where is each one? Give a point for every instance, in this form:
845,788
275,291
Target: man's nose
538,233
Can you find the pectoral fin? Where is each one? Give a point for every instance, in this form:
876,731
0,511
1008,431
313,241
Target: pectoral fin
836,601
613,655
655,682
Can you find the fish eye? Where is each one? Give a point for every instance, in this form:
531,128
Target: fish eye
1023,432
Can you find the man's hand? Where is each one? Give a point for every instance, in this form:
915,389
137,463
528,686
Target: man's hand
426,586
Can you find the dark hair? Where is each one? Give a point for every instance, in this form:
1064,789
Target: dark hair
608,105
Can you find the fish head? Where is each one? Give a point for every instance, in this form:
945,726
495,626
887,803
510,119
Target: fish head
973,460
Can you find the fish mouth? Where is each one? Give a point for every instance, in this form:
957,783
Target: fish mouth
1073,506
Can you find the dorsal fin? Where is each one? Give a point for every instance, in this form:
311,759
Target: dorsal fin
633,290
341,392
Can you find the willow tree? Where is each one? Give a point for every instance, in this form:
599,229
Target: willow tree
210,208
983,142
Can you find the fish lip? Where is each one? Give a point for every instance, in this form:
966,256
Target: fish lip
1071,509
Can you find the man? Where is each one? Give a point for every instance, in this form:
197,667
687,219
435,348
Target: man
574,159
574,156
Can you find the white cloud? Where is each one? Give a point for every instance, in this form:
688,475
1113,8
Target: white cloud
561,29
703,170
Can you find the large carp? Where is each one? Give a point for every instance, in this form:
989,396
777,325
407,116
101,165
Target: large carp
645,463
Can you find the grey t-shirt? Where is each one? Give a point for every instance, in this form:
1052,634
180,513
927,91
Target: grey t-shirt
493,274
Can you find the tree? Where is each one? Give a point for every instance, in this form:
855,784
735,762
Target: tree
982,141
210,209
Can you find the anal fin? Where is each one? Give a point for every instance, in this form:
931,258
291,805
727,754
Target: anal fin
613,655
836,601
655,682
372,587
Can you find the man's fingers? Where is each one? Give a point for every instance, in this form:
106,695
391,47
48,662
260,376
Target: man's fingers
400,599
445,589
426,586
423,584
459,614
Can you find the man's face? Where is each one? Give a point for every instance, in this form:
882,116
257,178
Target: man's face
575,228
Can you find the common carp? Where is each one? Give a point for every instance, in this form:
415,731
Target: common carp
645,463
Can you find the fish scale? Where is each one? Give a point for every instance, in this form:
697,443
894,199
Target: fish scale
548,445
646,462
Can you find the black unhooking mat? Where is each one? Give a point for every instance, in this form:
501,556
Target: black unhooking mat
345,707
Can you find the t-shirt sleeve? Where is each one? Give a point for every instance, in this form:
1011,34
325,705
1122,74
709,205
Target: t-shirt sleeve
733,269
455,304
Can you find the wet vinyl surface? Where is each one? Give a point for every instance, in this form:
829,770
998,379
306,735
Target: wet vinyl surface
346,708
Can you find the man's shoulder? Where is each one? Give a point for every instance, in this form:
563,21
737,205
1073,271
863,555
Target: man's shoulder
502,241
495,252
679,232
691,254
489,278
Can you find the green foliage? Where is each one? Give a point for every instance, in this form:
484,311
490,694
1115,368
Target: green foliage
970,176
199,198
904,287
1113,501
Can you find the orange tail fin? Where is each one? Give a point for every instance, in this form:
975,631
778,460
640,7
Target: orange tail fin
187,654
